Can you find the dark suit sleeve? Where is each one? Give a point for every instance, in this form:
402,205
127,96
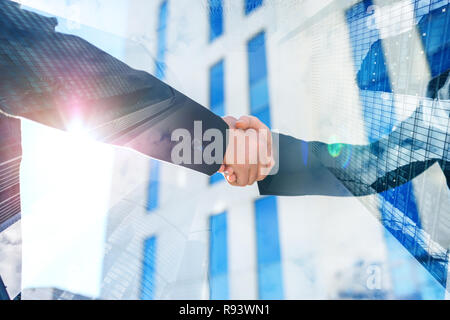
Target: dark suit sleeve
300,172
66,81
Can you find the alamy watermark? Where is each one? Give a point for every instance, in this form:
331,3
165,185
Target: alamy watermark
249,147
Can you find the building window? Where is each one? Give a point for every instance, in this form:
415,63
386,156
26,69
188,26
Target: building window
218,258
148,269
215,19
153,186
251,5
162,41
270,280
258,82
217,100
160,66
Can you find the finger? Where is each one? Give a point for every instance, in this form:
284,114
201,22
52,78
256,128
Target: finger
243,123
252,122
231,121
231,179
264,149
246,122
253,175
263,171
242,178
228,171
222,168
261,177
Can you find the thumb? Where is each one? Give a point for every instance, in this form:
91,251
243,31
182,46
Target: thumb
246,122
243,124
230,121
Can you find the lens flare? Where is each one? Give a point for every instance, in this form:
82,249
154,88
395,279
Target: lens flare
334,148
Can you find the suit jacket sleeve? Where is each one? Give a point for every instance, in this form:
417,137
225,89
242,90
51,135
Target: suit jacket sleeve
62,80
300,171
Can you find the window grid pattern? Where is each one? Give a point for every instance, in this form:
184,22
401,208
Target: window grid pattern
408,142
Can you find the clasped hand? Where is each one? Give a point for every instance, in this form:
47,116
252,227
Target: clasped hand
248,157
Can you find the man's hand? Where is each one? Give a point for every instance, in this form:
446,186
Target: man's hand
249,154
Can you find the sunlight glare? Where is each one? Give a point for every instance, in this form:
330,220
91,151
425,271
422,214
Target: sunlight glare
65,185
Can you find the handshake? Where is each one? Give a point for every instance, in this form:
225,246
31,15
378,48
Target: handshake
249,155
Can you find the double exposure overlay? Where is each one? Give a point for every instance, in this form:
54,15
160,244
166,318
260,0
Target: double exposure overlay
357,94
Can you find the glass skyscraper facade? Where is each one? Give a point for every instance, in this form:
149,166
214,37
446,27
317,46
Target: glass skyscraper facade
378,88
